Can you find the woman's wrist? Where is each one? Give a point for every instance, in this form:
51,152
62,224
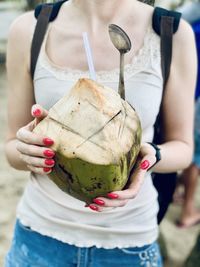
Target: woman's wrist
157,153
13,156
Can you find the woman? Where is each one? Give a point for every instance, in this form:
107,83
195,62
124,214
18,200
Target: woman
53,228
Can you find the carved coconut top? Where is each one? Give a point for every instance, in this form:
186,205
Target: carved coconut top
93,123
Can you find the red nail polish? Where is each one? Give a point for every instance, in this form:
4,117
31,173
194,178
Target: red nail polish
145,165
49,162
49,153
99,202
37,112
93,207
48,142
46,169
112,195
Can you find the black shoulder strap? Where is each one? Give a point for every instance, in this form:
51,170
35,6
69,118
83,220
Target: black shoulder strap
165,23
55,10
161,12
44,14
166,46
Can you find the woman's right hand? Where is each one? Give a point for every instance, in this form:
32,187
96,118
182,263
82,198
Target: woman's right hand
35,149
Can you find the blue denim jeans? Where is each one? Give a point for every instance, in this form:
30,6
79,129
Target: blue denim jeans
31,249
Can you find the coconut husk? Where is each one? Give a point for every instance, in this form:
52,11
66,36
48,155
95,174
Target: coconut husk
97,139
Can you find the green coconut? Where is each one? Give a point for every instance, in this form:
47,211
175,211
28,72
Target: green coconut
97,140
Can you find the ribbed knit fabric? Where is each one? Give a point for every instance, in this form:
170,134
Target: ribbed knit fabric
48,210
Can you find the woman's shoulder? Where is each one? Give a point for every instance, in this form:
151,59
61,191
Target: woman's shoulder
23,22
22,27
185,30
20,35
184,38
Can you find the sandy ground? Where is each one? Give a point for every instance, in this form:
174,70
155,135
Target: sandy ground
12,182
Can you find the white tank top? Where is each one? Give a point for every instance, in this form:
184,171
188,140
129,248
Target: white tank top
48,210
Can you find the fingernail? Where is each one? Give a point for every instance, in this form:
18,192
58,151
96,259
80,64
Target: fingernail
49,153
49,162
37,112
99,202
93,207
46,169
112,195
144,165
48,142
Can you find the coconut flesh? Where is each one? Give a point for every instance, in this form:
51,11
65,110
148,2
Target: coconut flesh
97,139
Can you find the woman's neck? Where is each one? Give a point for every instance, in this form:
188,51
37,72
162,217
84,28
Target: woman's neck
103,10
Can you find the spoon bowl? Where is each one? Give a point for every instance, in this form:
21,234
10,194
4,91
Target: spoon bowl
122,43
119,38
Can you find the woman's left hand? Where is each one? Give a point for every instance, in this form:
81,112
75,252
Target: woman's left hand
145,161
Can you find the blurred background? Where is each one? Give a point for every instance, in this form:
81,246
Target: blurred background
177,242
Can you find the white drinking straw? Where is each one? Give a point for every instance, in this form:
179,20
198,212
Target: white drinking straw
89,56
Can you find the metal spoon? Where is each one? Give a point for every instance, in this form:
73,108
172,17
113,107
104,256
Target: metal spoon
122,42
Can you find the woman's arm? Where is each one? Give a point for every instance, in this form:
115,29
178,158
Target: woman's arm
178,103
24,149
20,87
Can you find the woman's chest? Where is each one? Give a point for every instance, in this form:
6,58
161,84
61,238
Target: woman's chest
65,48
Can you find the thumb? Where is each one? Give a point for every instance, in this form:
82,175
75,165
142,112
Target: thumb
39,113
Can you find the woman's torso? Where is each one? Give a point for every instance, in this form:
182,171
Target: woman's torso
47,209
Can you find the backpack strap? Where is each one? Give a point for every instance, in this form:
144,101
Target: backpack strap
165,23
166,46
44,14
159,13
55,10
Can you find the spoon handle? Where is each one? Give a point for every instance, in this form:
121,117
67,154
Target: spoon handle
121,88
